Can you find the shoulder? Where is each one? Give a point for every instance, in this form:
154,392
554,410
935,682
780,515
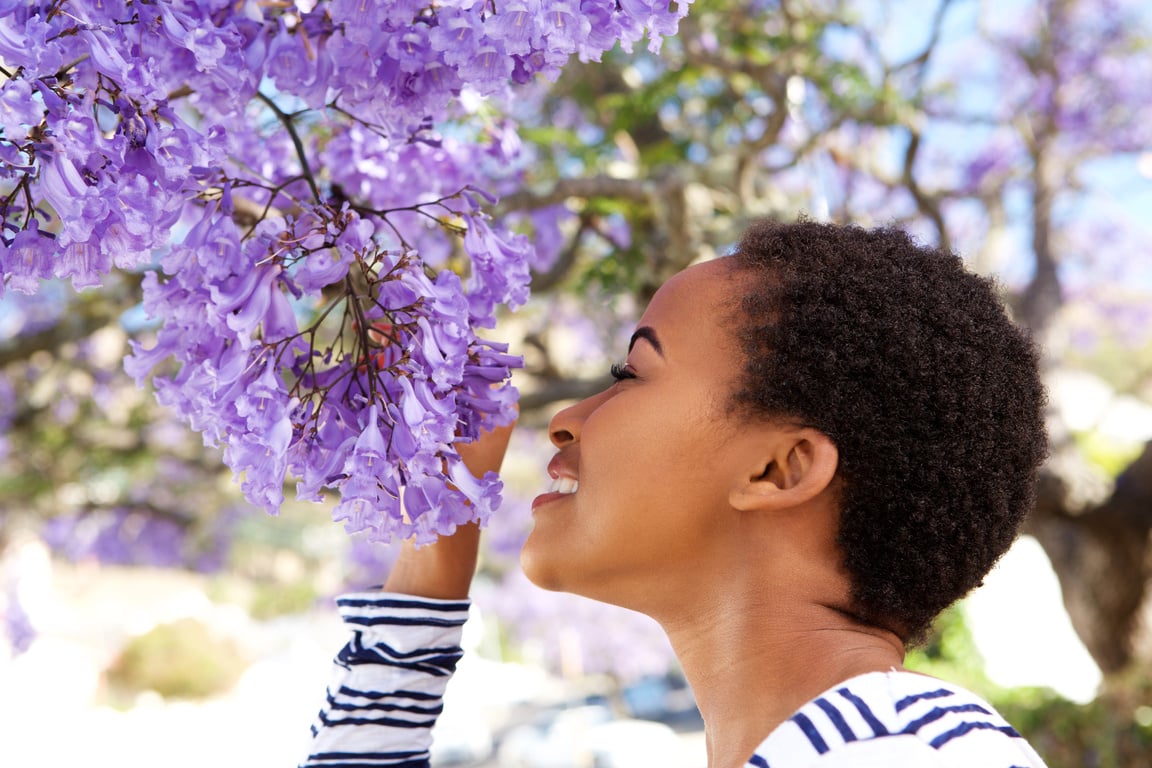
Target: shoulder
896,719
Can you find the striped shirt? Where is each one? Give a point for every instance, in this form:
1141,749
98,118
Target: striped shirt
388,682
896,720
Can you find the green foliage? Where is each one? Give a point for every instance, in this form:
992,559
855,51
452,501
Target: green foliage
1110,455
1112,731
272,600
183,659
950,653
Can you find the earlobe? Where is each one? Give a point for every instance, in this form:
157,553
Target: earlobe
797,465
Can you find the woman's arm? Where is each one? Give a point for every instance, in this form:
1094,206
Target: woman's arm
388,681
444,568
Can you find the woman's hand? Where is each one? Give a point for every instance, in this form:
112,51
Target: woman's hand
444,569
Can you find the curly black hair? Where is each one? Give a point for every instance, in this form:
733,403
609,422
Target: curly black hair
932,395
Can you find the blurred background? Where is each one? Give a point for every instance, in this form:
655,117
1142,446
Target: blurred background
148,613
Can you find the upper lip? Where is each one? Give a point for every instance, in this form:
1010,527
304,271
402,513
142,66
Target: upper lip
561,467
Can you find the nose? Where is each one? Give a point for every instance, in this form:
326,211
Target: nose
566,426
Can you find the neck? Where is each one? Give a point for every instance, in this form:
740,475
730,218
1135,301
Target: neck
751,666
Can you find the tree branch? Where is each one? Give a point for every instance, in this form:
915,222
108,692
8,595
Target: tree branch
929,205
555,274
290,126
920,61
638,190
1042,298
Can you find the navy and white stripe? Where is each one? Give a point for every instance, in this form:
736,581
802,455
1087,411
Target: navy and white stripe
388,681
905,714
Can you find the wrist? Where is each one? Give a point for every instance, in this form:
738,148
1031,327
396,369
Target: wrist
441,570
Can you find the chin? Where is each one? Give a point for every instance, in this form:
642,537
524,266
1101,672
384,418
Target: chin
555,574
540,569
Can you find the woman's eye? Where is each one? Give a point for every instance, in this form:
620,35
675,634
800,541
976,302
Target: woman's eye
620,372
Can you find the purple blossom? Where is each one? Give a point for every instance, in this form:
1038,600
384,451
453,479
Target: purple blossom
411,49
146,215
19,111
547,235
302,68
656,16
565,27
26,41
515,26
27,261
321,457
455,36
605,29
206,42
77,202
360,21
431,420
487,69
261,464
500,269
84,263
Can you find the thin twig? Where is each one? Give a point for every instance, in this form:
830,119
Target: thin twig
290,126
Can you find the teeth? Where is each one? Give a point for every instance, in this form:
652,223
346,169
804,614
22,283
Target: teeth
564,485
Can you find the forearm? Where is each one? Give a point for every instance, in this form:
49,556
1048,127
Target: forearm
442,570
389,680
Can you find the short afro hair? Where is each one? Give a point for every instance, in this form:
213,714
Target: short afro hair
932,395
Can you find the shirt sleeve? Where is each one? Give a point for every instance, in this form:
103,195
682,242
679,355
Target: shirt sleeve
387,682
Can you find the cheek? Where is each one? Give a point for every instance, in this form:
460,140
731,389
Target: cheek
646,453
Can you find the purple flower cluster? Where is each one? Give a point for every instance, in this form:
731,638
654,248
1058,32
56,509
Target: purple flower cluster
416,57
125,536
117,537
302,182
363,390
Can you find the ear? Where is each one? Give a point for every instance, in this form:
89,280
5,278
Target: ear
790,466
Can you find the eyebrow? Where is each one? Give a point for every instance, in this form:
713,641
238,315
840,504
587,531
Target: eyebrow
648,334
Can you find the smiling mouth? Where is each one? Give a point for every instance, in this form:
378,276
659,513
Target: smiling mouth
564,485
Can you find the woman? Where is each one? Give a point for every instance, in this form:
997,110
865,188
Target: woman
814,446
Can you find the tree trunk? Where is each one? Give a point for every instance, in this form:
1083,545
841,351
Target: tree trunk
1102,556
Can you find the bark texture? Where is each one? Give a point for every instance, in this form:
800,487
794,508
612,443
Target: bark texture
1102,556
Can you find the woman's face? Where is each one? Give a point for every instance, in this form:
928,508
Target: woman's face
644,467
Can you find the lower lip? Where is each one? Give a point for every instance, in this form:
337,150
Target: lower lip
546,498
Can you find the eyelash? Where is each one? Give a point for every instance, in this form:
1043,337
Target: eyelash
620,372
